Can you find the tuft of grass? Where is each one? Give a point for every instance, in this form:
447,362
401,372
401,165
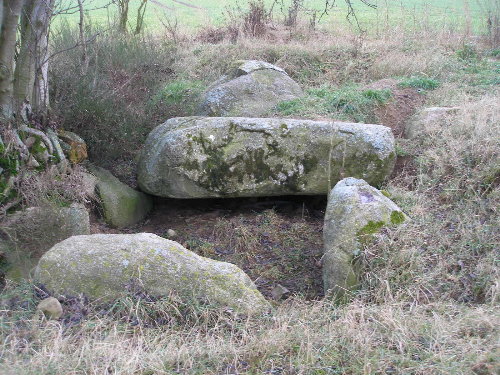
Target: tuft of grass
495,52
422,83
346,103
179,96
467,53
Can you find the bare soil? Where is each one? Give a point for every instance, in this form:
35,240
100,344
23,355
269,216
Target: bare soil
403,104
276,241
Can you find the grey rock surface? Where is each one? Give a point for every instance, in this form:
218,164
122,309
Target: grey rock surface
355,212
203,157
104,265
122,206
252,88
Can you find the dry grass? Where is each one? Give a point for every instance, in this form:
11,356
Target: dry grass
298,338
111,106
59,186
450,248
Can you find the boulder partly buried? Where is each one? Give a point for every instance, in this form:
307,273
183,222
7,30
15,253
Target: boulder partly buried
203,157
122,206
252,88
104,265
35,230
429,120
355,212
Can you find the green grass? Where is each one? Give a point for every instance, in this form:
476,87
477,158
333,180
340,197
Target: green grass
423,83
179,93
202,12
346,103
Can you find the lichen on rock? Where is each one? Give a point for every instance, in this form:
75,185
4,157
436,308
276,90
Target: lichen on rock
122,206
196,157
355,212
103,265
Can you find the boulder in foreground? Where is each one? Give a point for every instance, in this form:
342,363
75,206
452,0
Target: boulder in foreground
203,157
104,265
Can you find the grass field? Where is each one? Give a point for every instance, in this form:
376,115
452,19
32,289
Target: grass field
195,13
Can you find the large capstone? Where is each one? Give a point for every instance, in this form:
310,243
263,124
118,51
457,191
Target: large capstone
105,266
251,88
355,212
201,157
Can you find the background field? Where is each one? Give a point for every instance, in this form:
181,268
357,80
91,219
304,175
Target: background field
195,13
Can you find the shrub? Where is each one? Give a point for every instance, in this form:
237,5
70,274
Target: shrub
468,53
107,105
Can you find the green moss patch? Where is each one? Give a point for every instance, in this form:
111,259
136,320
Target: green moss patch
397,217
371,228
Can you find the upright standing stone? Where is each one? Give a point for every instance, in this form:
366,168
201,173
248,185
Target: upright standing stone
355,212
122,205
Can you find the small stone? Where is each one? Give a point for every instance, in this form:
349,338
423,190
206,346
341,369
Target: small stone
30,141
89,183
32,163
171,233
36,229
279,291
51,308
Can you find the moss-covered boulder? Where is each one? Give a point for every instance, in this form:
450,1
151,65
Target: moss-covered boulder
104,266
355,212
251,88
122,206
201,157
73,145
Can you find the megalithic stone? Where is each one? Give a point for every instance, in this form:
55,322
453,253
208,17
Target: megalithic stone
203,157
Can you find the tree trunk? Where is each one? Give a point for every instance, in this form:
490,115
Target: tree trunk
1,15
81,26
141,11
123,15
31,74
10,18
